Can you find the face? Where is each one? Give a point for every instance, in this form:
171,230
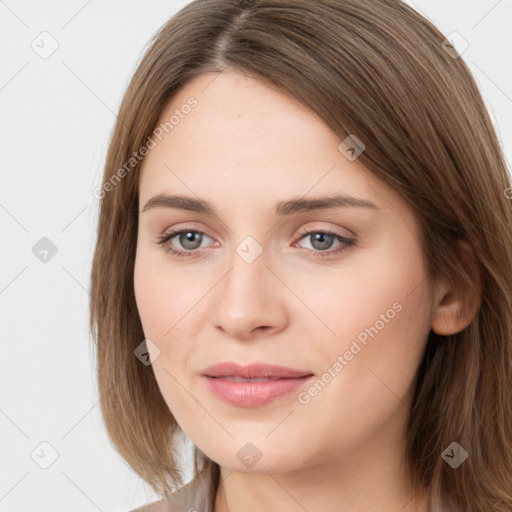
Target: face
338,294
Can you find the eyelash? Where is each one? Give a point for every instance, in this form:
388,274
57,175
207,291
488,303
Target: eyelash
347,243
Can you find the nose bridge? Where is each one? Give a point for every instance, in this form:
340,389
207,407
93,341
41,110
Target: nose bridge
248,297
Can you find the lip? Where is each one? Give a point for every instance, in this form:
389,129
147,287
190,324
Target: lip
222,381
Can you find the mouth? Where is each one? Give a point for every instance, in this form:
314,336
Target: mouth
253,385
254,371
234,378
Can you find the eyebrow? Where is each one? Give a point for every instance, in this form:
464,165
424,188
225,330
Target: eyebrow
282,208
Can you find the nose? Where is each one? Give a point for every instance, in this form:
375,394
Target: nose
250,300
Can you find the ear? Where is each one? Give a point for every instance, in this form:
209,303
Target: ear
454,309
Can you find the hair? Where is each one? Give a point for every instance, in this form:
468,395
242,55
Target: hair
376,69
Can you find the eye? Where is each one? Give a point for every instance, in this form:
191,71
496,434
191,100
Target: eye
322,241
189,239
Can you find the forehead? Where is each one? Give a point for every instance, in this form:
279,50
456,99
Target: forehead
245,140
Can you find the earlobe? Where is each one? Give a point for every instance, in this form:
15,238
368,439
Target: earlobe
456,308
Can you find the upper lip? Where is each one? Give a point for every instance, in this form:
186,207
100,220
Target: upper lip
254,371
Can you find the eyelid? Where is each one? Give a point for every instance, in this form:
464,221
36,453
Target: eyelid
184,227
302,231
333,231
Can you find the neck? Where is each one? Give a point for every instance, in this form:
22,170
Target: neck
315,490
364,478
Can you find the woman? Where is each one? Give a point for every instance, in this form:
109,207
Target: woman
303,264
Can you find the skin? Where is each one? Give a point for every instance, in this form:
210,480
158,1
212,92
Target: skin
287,307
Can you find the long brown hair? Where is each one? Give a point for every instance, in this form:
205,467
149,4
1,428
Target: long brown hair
379,70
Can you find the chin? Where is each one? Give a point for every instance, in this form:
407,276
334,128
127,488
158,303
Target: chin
258,457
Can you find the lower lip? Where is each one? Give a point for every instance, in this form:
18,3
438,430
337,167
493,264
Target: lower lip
253,394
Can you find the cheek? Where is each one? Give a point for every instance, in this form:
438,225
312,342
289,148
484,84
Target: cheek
158,304
167,303
160,307
379,301
382,287
381,324
147,297
161,295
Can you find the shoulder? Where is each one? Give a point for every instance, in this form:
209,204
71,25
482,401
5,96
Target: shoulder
156,506
196,496
445,504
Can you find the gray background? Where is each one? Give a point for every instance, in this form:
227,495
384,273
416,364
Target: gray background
57,113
